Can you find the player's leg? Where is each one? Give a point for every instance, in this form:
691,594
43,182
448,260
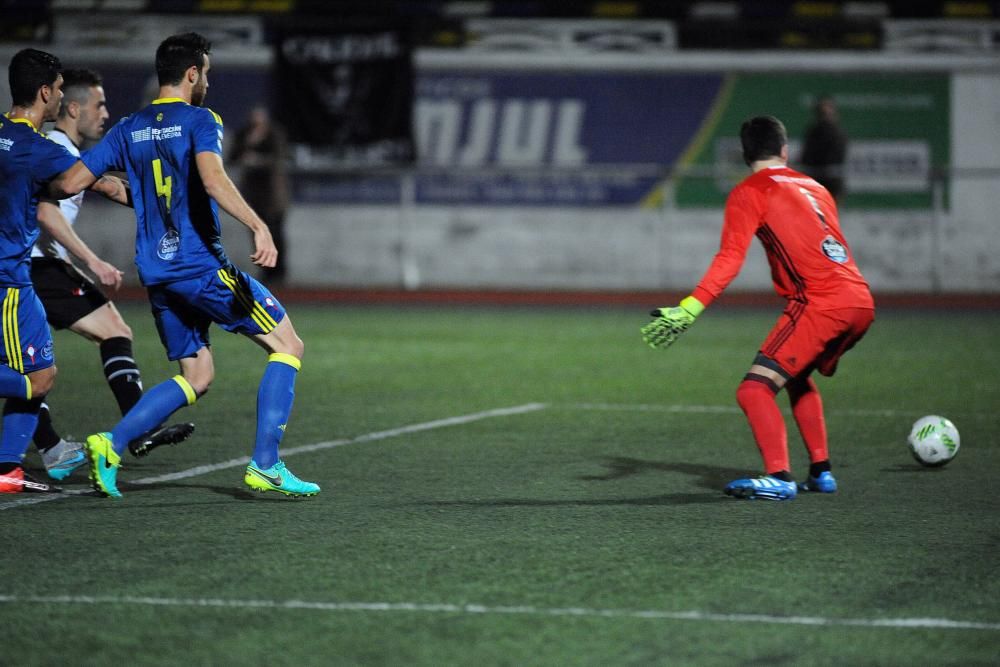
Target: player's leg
26,376
67,296
106,327
775,364
184,334
807,409
260,316
20,416
841,329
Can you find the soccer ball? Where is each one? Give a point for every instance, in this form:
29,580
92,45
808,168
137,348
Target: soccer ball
933,441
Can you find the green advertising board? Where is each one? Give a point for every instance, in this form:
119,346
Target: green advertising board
898,127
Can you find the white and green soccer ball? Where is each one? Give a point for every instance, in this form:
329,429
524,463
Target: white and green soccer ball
933,441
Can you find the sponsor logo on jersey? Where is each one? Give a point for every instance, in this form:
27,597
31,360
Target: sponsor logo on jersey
156,133
169,245
6,144
834,249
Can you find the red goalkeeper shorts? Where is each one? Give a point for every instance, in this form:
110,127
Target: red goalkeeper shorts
805,339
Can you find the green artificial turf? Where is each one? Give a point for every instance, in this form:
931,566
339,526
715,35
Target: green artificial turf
585,527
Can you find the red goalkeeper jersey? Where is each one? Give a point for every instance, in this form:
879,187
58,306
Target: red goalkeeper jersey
795,219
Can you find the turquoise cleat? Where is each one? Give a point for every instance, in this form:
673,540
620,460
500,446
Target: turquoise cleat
765,487
277,478
104,463
61,460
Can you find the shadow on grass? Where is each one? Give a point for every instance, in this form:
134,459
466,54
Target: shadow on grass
713,478
707,477
665,499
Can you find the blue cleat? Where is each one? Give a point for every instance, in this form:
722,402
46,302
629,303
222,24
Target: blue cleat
764,487
277,478
104,463
62,459
825,483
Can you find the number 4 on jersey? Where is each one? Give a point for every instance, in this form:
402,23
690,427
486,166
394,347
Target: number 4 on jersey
162,184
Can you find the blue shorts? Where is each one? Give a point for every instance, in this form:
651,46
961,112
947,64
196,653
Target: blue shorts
185,309
27,339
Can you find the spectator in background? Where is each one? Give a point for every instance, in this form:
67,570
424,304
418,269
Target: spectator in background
260,149
824,149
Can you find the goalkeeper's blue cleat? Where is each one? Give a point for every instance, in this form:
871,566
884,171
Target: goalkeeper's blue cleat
825,483
277,478
104,463
765,487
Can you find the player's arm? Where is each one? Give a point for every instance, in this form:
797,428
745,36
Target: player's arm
78,178
73,181
740,223
221,188
114,188
51,219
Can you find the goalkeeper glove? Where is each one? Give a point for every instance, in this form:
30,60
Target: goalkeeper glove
671,322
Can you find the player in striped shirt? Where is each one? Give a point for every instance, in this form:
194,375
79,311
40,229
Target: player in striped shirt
829,306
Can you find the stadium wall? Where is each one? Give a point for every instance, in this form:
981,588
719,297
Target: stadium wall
629,197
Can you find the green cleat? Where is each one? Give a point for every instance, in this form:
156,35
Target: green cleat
104,463
277,478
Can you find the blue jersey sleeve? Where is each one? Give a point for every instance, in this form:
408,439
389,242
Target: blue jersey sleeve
208,133
49,159
108,154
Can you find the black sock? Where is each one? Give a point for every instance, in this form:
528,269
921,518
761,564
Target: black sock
121,372
820,466
45,434
7,466
783,475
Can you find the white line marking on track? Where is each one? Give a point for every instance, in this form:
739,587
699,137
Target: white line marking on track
292,451
473,609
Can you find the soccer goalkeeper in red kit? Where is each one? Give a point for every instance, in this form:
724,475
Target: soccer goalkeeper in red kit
829,306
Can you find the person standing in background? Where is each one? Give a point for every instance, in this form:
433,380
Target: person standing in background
824,148
260,149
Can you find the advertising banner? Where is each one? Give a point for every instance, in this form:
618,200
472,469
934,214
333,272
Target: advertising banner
545,138
898,129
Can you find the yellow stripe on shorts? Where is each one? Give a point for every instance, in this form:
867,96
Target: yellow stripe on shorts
257,312
11,335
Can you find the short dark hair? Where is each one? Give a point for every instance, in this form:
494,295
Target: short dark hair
76,86
762,137
178,53
29,70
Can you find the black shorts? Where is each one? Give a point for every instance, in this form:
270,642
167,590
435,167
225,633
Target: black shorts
66,294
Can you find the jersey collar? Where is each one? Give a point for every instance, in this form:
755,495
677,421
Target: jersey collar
21,120
168,100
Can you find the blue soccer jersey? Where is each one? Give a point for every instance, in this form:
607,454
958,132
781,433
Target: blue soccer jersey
178,235
28,160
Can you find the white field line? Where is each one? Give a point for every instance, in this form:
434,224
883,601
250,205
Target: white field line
733,409
292,451
526,610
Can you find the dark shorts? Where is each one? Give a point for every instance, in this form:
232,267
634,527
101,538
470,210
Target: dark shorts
185,309
67,294
805,339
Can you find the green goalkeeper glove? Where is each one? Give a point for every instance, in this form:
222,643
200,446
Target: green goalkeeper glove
671,322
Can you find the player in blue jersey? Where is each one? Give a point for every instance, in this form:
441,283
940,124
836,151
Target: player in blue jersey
70,299
172,153
28,160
